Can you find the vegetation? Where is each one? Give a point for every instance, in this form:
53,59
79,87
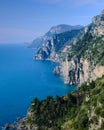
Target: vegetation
60,40
77,111
89,47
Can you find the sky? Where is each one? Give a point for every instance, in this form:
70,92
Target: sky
24,20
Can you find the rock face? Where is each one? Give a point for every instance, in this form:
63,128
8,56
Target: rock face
85,57
78,71
70,71
57,70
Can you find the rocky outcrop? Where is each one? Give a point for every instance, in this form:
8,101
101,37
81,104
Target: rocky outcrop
57,70
70,71
90,72
22,124
78,71
47,52
10,127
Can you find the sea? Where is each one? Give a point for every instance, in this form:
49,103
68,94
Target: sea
22,79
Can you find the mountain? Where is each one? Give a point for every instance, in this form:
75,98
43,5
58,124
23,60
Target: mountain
51,49
38,42
80,52
83,60
62,28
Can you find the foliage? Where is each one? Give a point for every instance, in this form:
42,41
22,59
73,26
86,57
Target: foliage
60,40
86,48
54,113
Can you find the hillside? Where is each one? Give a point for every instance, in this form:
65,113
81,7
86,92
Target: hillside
80,110
84,58
40,41
52,48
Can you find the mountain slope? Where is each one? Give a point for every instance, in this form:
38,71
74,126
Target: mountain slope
85,58
90,114
80,52
53,47
38,42
80,110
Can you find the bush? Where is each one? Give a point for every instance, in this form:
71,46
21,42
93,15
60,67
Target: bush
102,113
83,121
94,120
98,111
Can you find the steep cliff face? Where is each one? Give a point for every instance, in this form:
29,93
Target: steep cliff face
85,57
78,71
90,72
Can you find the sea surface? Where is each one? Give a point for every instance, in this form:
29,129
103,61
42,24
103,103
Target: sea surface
22,79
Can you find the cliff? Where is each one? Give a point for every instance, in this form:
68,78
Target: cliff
78,71
51,50
80,52
83,59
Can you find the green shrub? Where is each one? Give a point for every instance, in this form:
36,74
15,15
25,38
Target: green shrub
98,111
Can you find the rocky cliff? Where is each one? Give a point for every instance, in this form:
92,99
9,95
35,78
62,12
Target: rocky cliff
83,59
51,50
80,52
78,71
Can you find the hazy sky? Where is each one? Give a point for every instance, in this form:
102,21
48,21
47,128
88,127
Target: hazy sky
23,20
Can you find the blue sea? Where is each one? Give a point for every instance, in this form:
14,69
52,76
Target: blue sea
22,79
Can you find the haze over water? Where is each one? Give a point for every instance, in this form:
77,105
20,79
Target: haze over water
22,79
